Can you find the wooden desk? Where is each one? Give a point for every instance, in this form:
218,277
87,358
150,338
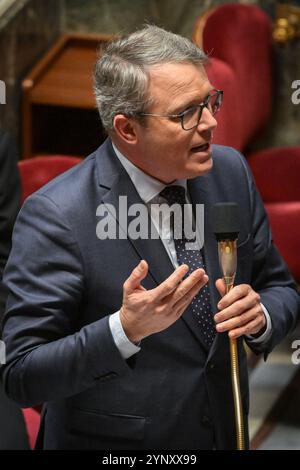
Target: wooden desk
59,109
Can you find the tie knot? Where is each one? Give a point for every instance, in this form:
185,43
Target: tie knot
174,194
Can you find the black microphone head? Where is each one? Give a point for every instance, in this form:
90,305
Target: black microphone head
225,217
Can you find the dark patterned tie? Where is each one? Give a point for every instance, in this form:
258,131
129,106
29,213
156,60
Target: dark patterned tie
200,305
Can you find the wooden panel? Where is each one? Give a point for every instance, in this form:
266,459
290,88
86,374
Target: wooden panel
61,79
69,82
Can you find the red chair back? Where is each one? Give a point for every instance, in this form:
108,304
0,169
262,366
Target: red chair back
285,223
281,183
239,37
36,172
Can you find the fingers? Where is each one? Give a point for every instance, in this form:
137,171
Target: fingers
173,289
145,312
235,294
220,285
137,275
197,277
238,307
239,321
180,306
171,283
241,312
251,328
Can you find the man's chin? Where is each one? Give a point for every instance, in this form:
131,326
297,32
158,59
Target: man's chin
198,169
192,170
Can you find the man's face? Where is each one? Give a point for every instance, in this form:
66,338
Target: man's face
165,150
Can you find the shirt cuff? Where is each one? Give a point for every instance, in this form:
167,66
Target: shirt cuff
124,345
266,334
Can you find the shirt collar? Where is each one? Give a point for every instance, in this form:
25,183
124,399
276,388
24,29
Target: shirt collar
146,186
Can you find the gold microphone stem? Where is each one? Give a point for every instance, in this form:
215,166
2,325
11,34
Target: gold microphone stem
228,262
236,389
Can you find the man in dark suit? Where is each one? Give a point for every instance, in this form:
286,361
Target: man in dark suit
9,203
12,429
125,349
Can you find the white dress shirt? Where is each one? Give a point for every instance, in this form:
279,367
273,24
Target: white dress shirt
148,189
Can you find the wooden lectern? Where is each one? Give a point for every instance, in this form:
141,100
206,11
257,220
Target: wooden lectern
59,108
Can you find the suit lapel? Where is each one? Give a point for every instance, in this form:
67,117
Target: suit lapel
114,177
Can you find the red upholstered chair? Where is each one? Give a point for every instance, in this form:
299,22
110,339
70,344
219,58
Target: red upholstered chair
32,420
238,39
281,196
35,173
229,129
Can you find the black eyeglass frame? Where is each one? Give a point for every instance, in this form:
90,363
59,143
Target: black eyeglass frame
201,106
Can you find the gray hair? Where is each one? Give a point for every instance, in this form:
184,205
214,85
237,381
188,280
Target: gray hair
121,74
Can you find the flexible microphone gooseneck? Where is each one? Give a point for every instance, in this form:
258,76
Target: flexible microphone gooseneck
225,218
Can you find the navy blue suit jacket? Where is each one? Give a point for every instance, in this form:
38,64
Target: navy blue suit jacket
64,283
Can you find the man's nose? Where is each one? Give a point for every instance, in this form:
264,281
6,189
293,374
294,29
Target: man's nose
207,121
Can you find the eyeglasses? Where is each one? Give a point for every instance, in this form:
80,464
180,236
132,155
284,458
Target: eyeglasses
190,118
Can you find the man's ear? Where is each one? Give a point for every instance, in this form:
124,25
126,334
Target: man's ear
125,129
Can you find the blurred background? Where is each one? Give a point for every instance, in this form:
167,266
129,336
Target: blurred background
48,122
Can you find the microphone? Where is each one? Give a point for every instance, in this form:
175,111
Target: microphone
225,217
226,228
